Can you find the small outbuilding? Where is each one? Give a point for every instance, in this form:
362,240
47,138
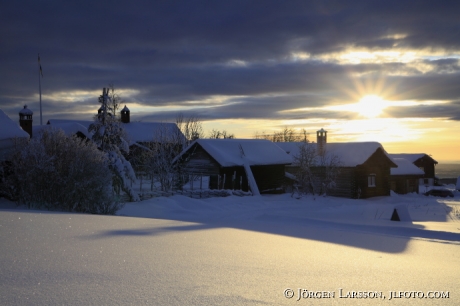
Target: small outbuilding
234,163
405,178
424,162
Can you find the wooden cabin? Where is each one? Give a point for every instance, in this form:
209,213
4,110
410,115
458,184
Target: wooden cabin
405,178
363,167
224,160
363,172
425,163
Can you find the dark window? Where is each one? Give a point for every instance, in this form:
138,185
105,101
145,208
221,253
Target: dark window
371,180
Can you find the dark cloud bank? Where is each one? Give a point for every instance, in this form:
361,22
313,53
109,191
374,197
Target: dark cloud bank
171,52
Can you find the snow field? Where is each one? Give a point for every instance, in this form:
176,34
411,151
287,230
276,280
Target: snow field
231,251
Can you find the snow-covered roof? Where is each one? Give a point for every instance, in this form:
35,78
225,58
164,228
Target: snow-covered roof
9,130
26,111
412,157
136,131
69,128
350,154
152,131
229,152
125,109
405,167
56,122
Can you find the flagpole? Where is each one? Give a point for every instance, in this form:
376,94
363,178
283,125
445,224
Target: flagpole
40,87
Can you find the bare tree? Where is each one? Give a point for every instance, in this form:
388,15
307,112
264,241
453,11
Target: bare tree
216,134
317,171
163,148
284,135
190,127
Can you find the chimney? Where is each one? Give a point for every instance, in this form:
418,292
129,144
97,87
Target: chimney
125,115
321,140
25,120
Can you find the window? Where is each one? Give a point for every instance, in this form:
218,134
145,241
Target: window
371,180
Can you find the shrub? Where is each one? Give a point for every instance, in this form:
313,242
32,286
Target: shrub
57,172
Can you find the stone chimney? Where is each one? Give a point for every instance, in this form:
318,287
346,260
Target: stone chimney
25,120
125,115
321,141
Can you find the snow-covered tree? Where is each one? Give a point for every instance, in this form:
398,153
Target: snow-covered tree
154,158
110,137
305,159
166,144
57,172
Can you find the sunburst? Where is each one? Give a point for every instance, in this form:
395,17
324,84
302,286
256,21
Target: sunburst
371,106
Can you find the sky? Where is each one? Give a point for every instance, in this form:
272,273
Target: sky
385,71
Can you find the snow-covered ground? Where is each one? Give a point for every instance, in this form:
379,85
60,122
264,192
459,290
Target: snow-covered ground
233,251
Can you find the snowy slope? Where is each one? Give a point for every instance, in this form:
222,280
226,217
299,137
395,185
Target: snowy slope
231,251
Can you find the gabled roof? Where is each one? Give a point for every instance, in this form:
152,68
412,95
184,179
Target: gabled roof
234,152
136,131
405,167
350,154
10,129
153,131
69,128
412,157
55,122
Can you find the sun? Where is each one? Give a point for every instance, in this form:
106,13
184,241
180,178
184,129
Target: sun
371,106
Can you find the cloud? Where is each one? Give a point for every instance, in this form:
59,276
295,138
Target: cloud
230,59
445,110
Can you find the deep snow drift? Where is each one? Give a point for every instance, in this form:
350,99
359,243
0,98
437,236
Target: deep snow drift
232,251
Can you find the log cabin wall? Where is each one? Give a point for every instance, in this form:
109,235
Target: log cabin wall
345,184
426,163
201,163
378,166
